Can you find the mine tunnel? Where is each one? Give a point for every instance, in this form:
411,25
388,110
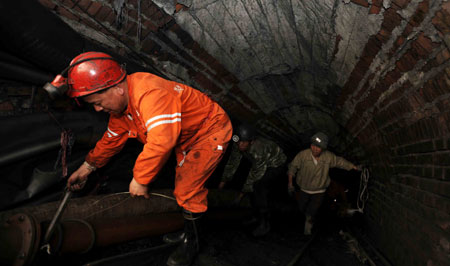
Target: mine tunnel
373,75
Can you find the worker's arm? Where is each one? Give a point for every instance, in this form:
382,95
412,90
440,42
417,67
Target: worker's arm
161,113
340,162
290,178
110,144
292,170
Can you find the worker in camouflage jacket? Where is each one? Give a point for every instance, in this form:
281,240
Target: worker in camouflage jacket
268,161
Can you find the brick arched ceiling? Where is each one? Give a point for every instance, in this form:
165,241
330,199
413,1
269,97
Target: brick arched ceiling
365,72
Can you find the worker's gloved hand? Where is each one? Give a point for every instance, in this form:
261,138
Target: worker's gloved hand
137,189
78,179
291,190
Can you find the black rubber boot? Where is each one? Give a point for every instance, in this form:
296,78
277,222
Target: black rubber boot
185,253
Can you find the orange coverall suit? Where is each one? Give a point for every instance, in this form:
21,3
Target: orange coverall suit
164,115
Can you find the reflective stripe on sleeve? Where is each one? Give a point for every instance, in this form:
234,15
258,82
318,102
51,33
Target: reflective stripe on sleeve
163,122
162,116
112,133
151,122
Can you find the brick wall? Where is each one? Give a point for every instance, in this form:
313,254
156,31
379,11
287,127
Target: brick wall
401,116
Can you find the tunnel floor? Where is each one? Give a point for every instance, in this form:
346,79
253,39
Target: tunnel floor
225,243
233,244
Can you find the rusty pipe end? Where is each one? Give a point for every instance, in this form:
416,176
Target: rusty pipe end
19,239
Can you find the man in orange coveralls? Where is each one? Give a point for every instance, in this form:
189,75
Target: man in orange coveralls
163,115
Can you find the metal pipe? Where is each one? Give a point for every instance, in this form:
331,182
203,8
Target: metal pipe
55,219
121,205
19,239
104,220
79,236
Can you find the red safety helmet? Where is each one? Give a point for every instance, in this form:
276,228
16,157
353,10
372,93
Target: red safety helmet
91,72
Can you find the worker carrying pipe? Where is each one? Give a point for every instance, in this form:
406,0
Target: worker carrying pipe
163,115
